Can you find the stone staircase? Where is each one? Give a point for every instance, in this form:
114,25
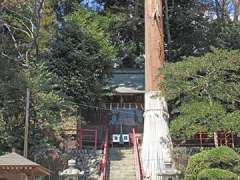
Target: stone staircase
122,164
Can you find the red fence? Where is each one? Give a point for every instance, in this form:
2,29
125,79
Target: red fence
136,156
88,137
84,137
103,164
209,140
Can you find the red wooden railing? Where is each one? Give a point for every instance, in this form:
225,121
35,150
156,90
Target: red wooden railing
85,136
88,136
136,156
209,140
104,162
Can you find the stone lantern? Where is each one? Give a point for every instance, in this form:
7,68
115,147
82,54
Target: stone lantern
71,173
169,172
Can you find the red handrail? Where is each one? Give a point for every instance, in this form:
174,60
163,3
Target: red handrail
136,156
104,161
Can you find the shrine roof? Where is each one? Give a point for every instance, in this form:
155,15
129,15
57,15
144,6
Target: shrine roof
127,82
15,162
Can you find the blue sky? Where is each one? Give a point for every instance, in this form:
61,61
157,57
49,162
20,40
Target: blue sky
93,4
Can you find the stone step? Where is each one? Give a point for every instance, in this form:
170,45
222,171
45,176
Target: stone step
123,178
114,167
122,164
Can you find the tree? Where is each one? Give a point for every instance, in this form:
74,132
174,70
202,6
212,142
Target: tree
197,117
236,4
126,31
11,103
212,161
26,28
193,28
215,174
81,56
209,83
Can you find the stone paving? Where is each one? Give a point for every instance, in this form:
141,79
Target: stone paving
122,164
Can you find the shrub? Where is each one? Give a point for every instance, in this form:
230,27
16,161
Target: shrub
195,165
221,157
216,174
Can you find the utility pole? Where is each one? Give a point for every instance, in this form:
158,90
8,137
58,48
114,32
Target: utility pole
26,124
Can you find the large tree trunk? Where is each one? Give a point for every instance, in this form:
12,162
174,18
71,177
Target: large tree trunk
156,141
236,4
154,44
223,10
157,145
217,9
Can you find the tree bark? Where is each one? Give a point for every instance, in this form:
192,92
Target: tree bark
236,4
217,9
154,44
157,145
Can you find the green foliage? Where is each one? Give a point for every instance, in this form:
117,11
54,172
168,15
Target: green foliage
216,174
12,102
225,35
25,38
213,75
189,29
96,27
231,121
197,117
195,165
126,30
80,62
212,80
47,105
193,30
223,158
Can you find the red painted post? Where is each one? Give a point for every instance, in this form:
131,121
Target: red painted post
104,161
136,157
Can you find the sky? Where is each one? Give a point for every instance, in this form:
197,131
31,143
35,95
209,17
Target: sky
93,5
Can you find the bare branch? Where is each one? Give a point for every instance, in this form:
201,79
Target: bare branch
13,39
23,31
